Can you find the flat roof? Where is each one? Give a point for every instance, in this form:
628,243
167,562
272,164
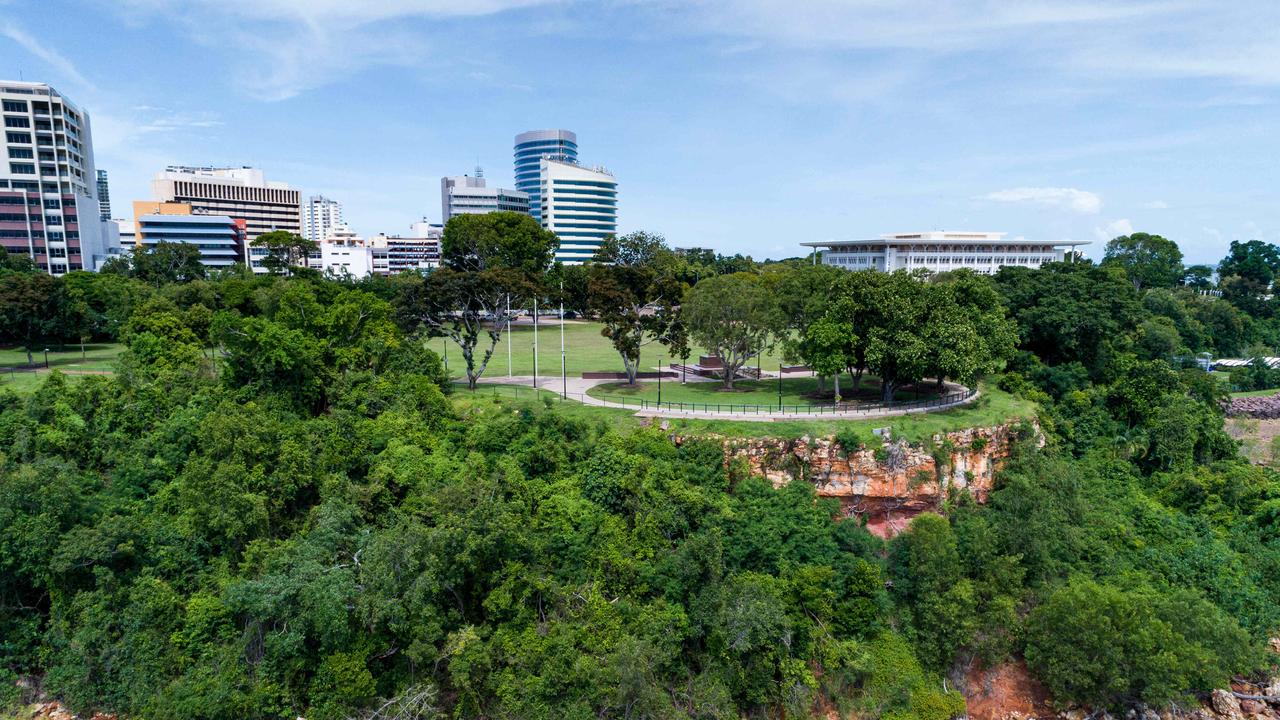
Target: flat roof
976,240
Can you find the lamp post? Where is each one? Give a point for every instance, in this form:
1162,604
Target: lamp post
564,374
46,358
659,382
779,386
535,346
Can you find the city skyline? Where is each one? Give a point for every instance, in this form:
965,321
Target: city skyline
738,125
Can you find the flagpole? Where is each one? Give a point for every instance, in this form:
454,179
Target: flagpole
535,345
564,375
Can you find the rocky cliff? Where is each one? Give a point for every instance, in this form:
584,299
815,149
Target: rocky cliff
888,484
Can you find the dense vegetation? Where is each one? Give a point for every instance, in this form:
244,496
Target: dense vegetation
273,508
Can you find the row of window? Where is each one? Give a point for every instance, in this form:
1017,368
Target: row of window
15,105
11,121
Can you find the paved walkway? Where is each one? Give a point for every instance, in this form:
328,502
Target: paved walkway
575,388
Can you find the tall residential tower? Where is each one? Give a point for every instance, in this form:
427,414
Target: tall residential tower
48,185
319,217
530,148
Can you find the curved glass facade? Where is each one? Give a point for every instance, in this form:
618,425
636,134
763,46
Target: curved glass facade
530,148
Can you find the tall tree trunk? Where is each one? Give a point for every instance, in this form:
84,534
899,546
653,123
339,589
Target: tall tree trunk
886,390
857,381
837,387
29,360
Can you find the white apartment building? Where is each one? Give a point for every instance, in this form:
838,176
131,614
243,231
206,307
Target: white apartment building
320,216
469,195
49,204
241,192
579,205
938,251
345,252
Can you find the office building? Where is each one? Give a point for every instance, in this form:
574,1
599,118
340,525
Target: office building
220,238
530,148
938,251
468,195
418,252
241,192
320,216
104,197
48,184
342,252
579,205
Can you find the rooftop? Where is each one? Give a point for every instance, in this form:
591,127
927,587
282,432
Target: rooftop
945,236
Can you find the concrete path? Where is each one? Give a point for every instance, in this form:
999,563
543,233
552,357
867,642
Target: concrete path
575,388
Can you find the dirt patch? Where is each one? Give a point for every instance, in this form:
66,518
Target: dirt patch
1258,439
1005,691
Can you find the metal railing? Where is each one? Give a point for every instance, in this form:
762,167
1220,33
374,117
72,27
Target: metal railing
844,408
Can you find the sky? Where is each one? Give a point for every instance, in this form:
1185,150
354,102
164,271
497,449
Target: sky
741,125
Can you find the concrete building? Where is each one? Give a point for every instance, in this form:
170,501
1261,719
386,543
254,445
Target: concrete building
320,216
220,238
241,192
49,207
938,251
530,148
343,252
417,252
468,195
579,205
104,196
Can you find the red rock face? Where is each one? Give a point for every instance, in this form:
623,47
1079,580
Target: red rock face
889,485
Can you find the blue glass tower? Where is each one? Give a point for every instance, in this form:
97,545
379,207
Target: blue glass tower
530,148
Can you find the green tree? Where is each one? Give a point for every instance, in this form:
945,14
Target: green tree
499,240
733,316
1148,260
31,305
159,264
285,250
633,293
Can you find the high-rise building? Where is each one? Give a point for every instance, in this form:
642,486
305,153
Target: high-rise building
241,192
48,185
319,217
579,205
530,148
220,238
468,195
104,197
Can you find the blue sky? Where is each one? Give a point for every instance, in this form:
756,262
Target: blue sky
743,125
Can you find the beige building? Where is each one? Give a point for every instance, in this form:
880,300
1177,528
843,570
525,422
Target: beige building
235,192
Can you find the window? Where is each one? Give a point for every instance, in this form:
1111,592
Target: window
52,203
16,122
57,252
21,153
22,168
15,105
18,137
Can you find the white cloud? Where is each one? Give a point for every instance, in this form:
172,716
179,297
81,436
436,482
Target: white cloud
1155,205
1081,201
291,46
42,50
1114,229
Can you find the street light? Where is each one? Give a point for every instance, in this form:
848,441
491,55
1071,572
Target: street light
46,358
779,386
659,382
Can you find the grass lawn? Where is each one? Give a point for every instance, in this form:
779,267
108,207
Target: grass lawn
586,351
98,356
25,383
795,391
992,407
1256,393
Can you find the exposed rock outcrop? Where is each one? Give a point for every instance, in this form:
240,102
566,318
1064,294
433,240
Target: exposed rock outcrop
1265,407
889,484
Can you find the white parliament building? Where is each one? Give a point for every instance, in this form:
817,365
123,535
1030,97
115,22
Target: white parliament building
938,250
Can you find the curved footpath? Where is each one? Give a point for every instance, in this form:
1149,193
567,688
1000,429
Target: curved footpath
577,388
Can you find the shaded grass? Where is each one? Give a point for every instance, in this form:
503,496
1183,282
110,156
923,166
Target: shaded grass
992,407
97,356
586,351
1256,393
795,391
